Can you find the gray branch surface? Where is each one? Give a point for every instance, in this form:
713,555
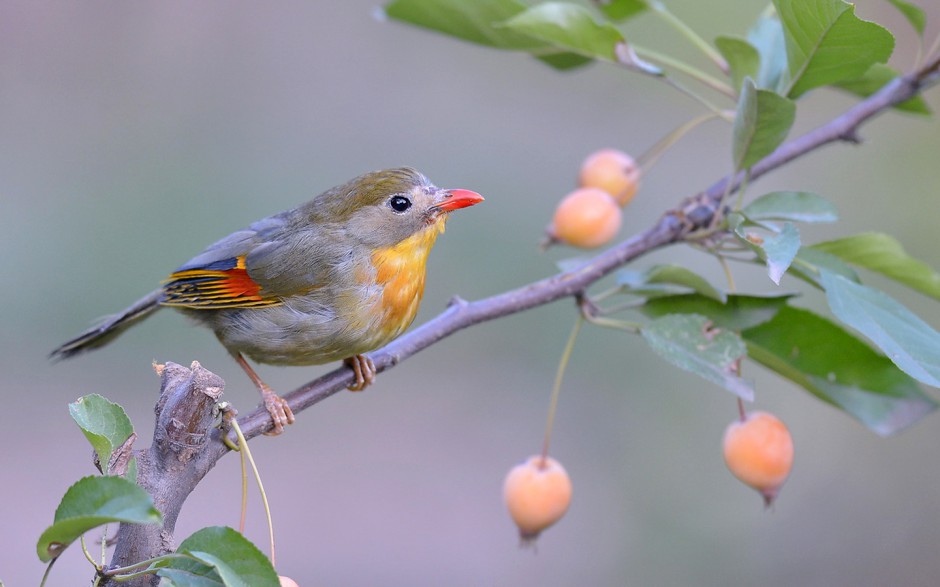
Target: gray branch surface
187,445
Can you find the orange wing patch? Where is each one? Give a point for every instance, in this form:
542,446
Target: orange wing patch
218,285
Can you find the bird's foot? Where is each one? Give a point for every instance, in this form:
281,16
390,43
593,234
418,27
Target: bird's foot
281,413
364,369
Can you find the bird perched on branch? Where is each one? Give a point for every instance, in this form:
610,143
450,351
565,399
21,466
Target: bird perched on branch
336,277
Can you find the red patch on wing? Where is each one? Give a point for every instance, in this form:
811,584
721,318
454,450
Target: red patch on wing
223,284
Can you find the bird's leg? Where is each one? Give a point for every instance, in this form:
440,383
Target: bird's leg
281,413
364,369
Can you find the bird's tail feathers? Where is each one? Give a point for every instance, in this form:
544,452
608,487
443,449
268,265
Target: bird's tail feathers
109,328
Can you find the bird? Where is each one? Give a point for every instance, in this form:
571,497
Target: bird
332,279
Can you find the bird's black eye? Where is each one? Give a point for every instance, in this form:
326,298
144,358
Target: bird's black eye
399,203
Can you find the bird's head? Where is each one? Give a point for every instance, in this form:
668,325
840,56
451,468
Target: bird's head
384,208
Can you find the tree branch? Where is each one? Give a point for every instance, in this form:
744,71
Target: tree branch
696,212
176,462
186,445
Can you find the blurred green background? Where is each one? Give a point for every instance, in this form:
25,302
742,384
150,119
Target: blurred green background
132,134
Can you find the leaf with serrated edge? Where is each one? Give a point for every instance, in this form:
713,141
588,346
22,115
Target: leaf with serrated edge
795,206
219,547
104,423
883,254
92,502
687,341
838,368
902,336
827,43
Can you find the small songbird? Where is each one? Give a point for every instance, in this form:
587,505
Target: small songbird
336,277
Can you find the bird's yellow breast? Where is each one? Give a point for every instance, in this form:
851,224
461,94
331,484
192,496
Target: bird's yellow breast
400,272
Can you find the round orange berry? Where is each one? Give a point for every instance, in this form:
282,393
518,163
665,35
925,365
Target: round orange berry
613,171
537,493
587,217
759,451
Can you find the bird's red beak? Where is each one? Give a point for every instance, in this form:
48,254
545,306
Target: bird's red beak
451,200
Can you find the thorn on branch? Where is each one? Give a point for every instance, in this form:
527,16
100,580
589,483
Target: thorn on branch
457,301
851,136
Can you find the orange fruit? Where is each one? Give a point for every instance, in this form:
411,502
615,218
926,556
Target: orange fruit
759,452
537,493
587,217
613,171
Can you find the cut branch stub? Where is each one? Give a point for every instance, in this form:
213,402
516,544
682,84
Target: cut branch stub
185,448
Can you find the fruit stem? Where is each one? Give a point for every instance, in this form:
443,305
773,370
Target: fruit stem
683,67
741,412
556,390
728,275
648,159
87,554
48,570
243,447
241,521
686,31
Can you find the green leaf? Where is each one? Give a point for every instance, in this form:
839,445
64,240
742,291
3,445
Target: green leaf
762,122
877,76
92,502
678,275
777,250
738,313
634,283
563,60
622,9
827,43
199,575
690,341
795,206
742,57
883,254
224,556
104,423
568,26
470,21
810,262
913,13
838,368
906,339
766,35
